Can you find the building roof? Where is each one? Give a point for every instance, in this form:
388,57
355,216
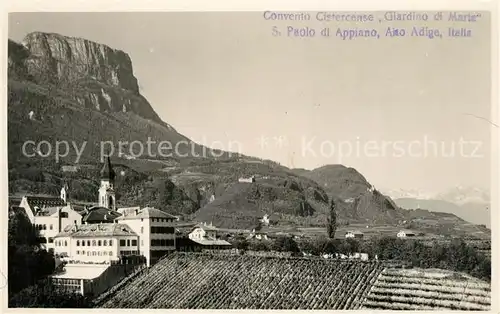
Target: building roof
210,242
43,201
204,227
107,171
147,213
82,271
97,230
48,211
97,214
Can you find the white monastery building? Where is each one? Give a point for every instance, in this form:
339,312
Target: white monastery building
155,229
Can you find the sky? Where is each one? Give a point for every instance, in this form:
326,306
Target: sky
387,107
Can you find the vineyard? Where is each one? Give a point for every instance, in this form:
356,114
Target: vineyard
412,289
200,281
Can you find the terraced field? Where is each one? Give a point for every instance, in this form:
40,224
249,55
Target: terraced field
198,281
436,289
202,281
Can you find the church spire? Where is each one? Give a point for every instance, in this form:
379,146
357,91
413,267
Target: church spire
107,172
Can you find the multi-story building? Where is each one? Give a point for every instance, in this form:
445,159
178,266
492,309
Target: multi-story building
155,228
96,242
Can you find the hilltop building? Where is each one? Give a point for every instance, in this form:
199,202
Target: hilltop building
247,180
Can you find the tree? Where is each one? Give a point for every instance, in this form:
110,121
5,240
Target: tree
285,244
27,263
331,226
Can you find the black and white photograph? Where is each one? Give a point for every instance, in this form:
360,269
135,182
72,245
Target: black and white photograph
250,160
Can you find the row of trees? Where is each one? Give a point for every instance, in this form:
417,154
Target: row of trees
455,255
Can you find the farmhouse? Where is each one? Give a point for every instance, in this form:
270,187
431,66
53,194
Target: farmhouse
405,234
354,234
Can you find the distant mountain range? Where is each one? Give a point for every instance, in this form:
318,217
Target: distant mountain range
469,203
73,89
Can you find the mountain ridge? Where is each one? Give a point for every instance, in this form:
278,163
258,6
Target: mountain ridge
73,102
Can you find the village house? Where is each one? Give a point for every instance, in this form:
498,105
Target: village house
206,236
268,220
258,235
354,234
405,234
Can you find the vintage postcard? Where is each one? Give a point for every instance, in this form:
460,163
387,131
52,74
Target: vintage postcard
266,159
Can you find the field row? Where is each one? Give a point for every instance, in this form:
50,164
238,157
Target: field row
196,281
403,289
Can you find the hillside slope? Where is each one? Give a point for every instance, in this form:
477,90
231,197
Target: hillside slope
85,93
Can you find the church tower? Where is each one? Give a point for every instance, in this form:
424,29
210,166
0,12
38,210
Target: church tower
106,191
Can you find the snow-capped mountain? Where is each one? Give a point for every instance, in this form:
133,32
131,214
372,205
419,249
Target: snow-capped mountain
457,195
408,193
469,203
462,195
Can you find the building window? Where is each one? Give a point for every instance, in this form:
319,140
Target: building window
94,242
142,242
51,227
110,253
77,252
65,243
128,242
88,242
83,252
110,242
51,240
142,229
123,242
134,242
77,243
105,243
99,243
83,243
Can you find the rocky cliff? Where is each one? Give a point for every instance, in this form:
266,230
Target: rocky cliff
95,75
